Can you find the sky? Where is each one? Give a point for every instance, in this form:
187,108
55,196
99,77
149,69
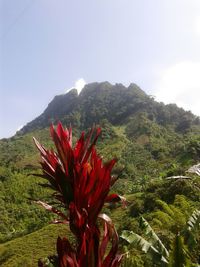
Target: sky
50,46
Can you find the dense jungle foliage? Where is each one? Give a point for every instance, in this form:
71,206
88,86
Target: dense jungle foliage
151,141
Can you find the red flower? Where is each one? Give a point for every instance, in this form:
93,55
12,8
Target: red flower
81,182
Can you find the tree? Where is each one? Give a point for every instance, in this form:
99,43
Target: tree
178,256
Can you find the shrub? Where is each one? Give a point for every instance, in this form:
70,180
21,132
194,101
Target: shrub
81,183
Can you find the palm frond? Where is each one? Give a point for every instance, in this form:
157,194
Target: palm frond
194,220
139,242
154,239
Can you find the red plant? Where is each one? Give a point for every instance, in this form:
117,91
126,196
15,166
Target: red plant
81,183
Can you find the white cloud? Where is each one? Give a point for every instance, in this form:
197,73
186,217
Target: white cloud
19,128
79,84
180,84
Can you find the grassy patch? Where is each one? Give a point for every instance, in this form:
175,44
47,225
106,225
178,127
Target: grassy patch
25,251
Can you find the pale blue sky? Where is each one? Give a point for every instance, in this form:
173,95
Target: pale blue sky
47,45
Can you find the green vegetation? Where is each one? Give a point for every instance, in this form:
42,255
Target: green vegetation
26,251
151,141
178,254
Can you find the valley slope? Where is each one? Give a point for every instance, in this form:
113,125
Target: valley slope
150,140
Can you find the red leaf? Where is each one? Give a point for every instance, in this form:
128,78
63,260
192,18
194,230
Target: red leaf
52,209
112,259
81,182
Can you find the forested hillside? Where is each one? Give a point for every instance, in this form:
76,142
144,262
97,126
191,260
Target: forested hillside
115,103
151,141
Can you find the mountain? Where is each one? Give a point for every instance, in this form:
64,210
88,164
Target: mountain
150,140
115,103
